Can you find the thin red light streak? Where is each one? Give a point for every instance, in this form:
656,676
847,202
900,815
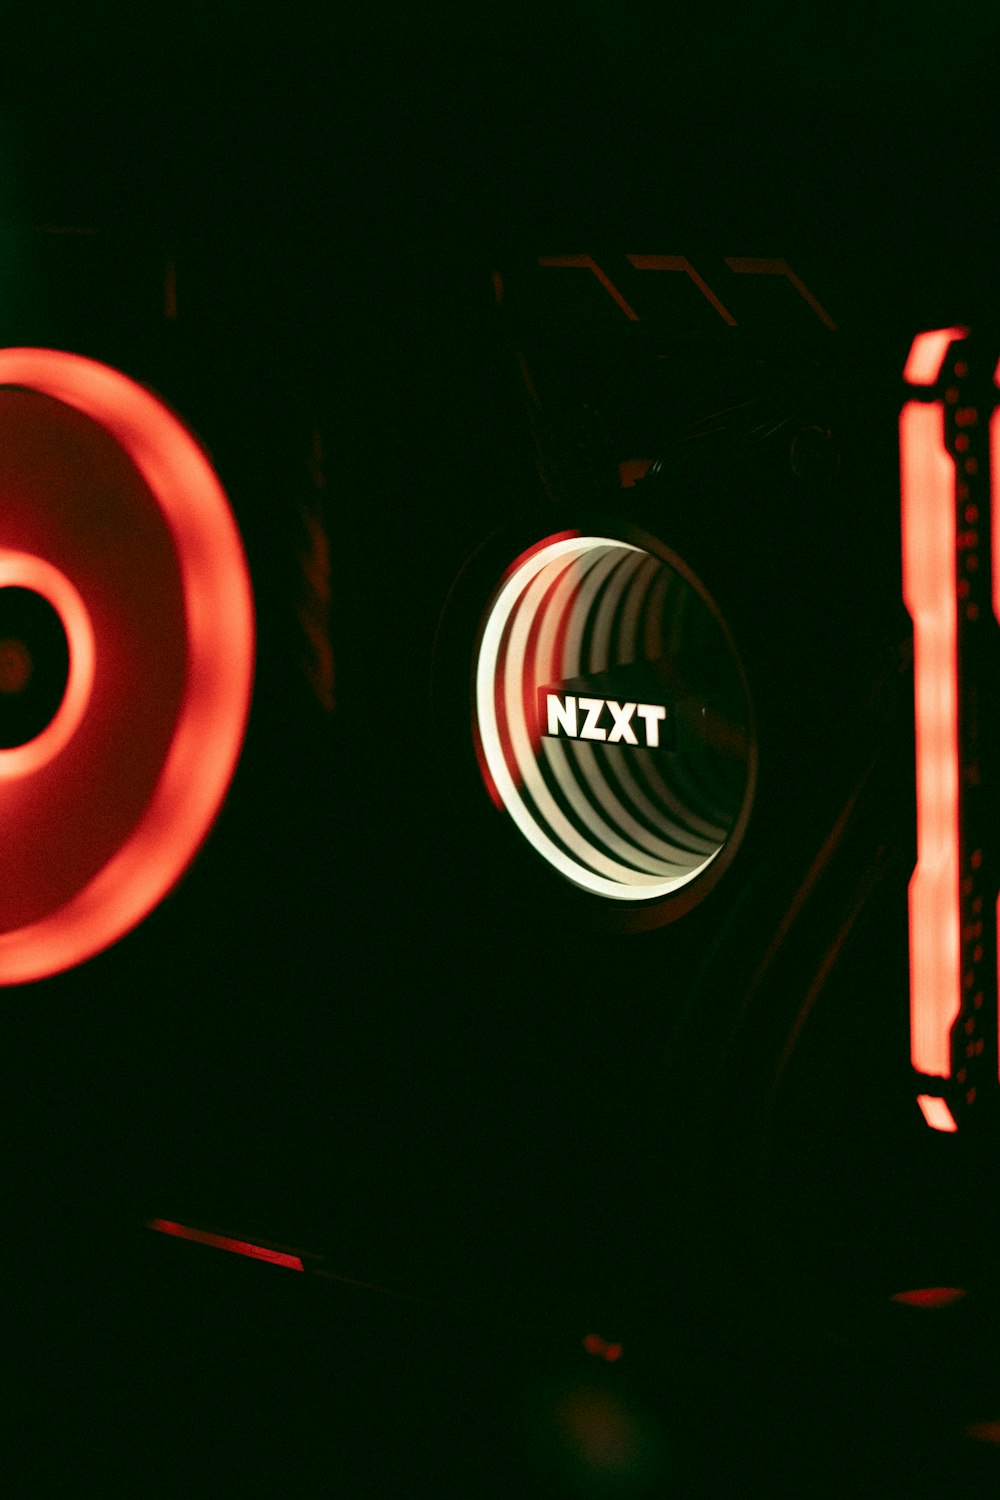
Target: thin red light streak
588,263
536,547
929,593
222,1242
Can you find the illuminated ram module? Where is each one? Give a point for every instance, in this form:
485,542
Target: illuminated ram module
951,587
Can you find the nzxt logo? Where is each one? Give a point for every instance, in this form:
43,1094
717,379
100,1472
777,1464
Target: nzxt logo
563,715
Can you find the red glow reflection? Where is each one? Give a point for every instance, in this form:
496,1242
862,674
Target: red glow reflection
218,662
679,263
983,1432
222,1242
602,1432
594,1344
931,1296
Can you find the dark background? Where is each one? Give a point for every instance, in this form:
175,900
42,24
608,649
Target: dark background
364,1026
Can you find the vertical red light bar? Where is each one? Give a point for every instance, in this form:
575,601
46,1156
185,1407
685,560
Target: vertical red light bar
929,591
995,580
929,594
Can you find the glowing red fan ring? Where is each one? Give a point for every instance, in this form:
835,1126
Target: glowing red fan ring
218,620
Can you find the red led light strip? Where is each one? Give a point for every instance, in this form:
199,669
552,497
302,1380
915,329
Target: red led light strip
995,575
222,1242
929,591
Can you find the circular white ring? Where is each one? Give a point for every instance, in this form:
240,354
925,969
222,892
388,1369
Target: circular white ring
536,815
